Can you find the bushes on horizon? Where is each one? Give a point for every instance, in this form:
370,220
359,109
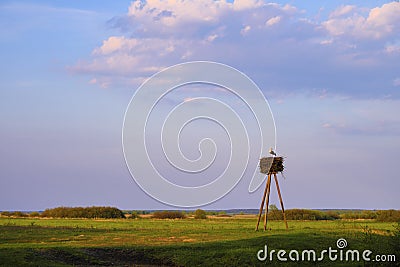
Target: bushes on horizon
388,216
200,214
223,214
6,213
168,215
133,215
379,215
275,214
364,214
302,214
14,214
332,215
80,212
34,214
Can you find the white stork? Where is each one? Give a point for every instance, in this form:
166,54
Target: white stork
272,152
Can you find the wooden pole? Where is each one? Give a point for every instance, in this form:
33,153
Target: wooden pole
261,206
280,198
267,201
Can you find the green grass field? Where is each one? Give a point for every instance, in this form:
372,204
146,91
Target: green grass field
185,242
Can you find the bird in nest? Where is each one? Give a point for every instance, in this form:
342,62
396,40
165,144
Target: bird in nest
272,152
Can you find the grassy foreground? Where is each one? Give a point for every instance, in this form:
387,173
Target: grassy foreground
185,242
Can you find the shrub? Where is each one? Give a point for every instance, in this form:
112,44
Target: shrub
168,215
302,214
34,214
275,215
272,207
332,215
200,214
388,216
133,215
224,215
6,214
18,214
365,214
79,212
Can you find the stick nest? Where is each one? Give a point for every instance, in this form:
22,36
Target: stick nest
270,165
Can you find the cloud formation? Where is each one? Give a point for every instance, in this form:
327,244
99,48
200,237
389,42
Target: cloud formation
353,52
380,22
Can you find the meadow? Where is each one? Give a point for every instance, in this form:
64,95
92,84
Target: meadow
216,241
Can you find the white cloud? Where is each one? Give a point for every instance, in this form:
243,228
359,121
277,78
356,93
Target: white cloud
392,48
93,81
289,9
245,30
246,4
187,55
273,21
184,17
103,83
212,37
173,12
167,32
342,10
326,125
379,23
130,56
277,45
115,43
326,42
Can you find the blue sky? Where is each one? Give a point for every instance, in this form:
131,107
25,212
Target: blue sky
329,69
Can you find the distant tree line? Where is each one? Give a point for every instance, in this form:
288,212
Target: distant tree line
306,214
14,214
80,212
379,215
303,214
273,214
169,214
363,214
388,215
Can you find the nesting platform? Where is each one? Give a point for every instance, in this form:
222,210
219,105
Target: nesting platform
271,165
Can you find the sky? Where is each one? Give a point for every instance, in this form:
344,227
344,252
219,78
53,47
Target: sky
329,70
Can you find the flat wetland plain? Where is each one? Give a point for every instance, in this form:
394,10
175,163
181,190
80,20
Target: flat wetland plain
216,241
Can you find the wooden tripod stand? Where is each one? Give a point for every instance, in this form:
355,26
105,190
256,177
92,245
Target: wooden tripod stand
266,200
